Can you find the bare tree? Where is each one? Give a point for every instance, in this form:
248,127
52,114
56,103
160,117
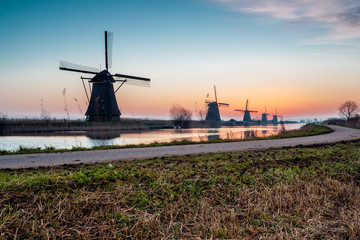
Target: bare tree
348,109
180,116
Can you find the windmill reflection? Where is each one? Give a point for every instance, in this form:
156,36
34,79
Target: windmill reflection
213,133
264,132
247,134
103,134
250,132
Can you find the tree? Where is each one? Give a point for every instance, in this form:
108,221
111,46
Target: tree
348,109
180,116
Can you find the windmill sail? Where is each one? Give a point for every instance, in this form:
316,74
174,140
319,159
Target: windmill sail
67,66
223,104
136,83
132,80
108,49
132,77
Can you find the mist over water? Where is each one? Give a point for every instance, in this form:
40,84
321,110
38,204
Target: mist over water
92,139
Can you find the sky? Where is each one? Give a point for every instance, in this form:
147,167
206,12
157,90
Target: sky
300,58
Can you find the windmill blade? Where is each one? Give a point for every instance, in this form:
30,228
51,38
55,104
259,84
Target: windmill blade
67,66
131,77
215,93
208,101
108,49
253,111
238,110
224,104
134,82
140,83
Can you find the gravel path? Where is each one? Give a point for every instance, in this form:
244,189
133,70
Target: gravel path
55,159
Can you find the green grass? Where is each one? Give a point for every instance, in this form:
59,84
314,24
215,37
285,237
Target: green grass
308,130
298,193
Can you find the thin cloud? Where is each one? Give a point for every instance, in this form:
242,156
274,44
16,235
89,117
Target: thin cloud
340,19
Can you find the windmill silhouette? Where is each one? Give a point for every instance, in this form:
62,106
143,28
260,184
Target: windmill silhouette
247,117
213,114
102,103
264,115
275,118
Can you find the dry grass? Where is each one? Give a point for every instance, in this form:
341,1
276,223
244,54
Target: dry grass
296,193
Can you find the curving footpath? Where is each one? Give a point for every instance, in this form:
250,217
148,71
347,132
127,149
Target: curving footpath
340,134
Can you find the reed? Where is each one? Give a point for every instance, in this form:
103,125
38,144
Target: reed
3,121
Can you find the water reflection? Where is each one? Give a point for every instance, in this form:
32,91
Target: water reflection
247,134
91,139
213,133
103,135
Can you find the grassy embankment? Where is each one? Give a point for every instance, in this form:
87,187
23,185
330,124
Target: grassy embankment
307,130
296,193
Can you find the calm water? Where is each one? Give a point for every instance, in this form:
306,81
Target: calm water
83,139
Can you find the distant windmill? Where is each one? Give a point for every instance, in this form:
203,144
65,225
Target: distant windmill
213,113
246,112
264,116
102,103
275,118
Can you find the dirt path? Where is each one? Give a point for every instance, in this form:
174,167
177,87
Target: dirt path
55,159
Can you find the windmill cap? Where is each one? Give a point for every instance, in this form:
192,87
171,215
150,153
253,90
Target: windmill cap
103,76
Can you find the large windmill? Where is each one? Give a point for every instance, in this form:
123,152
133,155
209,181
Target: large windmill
213,114
246,112
102,103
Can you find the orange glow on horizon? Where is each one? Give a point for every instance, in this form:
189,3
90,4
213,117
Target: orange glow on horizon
147,102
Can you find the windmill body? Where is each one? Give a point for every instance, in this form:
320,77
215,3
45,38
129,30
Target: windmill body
264,118
102,102
213,113
247,117
275,120
264,115
103,105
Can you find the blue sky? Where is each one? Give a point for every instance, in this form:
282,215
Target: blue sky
300,57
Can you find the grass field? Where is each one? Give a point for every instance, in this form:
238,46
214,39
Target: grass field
298,193
307,130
